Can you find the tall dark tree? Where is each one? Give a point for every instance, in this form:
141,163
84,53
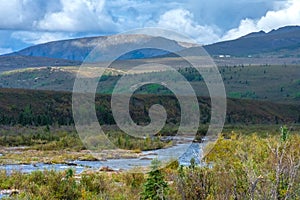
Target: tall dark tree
155,187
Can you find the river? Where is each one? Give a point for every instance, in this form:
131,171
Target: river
191,150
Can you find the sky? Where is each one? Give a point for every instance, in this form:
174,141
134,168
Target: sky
24,23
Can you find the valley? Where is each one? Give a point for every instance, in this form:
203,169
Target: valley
43,156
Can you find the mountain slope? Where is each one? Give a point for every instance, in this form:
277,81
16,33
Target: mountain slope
283,42
78,49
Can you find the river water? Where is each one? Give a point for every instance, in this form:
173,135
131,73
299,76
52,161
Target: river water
191,150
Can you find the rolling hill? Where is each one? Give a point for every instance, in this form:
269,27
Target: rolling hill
13,62
242,82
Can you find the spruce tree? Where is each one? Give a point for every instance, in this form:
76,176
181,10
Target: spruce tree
155,188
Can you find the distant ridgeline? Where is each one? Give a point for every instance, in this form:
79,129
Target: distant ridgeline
35,107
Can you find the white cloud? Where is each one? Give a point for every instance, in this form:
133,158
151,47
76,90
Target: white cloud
182,20
276,19
39,37
246,26
78,16
21,14
12,14
5,50
289,14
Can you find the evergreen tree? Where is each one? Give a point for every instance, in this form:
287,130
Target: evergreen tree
155,188
284,133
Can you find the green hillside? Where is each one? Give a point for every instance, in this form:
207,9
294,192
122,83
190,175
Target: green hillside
276,83
35,107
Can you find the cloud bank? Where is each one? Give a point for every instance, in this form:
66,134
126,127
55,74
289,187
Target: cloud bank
183,21
78,16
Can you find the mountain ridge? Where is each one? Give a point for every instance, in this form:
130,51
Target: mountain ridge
282,43
260,43
78,49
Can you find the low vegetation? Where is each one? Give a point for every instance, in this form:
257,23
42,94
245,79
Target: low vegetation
238,167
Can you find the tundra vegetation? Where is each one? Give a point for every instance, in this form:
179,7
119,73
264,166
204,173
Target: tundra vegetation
239,166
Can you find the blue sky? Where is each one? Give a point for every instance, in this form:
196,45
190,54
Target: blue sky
27,22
